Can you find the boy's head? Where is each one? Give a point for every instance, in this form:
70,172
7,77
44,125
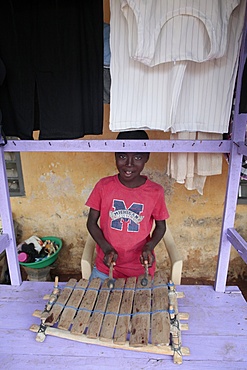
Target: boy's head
133,135
130,165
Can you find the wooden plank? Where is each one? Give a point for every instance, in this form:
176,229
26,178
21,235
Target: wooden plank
123,322
85,309
175,335
209,297
218,348
72,305
4,242
27,290
51,300
183,316
160,319
163,146
34,291
237,241
172,296
98,315
112,309
214,345
140,324
84,362
60,303
66,334
207,313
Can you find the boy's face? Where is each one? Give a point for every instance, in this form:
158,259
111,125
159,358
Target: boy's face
130,166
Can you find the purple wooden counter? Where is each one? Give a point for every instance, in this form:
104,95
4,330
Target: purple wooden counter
217,335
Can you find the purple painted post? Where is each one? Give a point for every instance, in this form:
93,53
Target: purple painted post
7,224
238,135
229,216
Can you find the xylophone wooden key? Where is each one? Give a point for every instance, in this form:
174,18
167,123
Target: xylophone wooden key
123,322
140,324
98,314
60,303
160,322
73,303
112,310
81,320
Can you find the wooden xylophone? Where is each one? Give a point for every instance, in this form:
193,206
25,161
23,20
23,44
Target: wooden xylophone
128,316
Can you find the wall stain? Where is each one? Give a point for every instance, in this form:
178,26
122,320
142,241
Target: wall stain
57,186
202,222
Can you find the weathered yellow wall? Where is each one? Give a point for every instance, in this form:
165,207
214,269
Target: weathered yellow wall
58,184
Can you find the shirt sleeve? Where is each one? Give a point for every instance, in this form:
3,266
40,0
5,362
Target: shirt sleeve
160,211
94,199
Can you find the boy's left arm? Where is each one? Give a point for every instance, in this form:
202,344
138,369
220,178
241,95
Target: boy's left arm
157,235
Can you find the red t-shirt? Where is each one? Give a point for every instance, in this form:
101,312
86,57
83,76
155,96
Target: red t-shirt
126,220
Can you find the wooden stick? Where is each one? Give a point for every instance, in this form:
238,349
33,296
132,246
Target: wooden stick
60,303
176,336
144,281
140,323
111,281
183,316
43,315
66,334
123,322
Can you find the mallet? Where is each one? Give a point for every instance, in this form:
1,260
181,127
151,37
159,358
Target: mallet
144,281
111,281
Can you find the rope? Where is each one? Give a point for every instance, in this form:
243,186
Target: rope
114,313
177,349
42,328
120,289
175,330
174,321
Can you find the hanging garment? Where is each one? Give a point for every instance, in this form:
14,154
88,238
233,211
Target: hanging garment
140,97
56,46
178,96
107,50
173,30
192,169
206,96
107,59
2,71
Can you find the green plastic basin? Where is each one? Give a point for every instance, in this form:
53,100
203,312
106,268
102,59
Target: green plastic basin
48,260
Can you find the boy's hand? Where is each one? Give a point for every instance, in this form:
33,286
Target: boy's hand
147,255
110,256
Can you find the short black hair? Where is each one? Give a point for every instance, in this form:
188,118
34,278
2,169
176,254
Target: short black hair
133,135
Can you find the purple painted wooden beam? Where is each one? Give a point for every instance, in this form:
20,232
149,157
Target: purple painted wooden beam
7,224
170,146
4,242
238,243
242,148
235,164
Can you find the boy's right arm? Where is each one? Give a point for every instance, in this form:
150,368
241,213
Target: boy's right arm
97,234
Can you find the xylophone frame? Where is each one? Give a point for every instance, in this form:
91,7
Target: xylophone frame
128,316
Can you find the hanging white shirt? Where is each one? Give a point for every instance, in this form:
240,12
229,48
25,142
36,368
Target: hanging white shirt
174,30
176,96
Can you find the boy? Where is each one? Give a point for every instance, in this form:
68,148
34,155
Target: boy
127,204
